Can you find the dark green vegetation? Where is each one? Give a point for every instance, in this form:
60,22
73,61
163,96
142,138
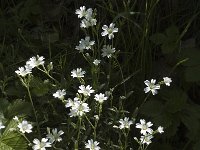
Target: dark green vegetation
155,39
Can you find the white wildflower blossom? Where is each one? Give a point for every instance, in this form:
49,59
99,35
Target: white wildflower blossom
55,135
60,94
92,145
160,130
145,127
41,145
35,61
79,109
78,73
70,102
96,62
100,98
23,71
167,81
146,139
109,30
85,44
107,51
125,123
151,86
24,126
81,12
85,90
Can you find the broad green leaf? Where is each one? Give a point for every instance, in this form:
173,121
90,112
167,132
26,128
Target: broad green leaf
176,100
18,107
38,87
11,140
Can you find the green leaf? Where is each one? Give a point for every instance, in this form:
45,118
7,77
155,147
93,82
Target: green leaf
18,107
3,104
11,140
158,38
176,100
38,87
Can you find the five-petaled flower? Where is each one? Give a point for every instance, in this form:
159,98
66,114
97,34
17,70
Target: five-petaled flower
60,94
92,145
107,51
55,135
125,123
109,30
167,81
78,73
24,126
41,145
85,90
100,97
151,86
145,127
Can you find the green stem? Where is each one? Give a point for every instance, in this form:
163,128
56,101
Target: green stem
78,136
31,100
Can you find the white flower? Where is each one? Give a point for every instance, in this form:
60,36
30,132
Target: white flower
24,126
145,127
107,51
151,86
70,102
85,44
146,139
109,30
80,48
96,62
86,91
79,109
81,12
41,145
125,123
78,73
92,145
60,94
160,129
1,125
100,98
35,61
55,135
23,71
167,81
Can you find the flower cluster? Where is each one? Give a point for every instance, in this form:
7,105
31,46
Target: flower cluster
87,16
153,87
85,44
30,64
147,132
